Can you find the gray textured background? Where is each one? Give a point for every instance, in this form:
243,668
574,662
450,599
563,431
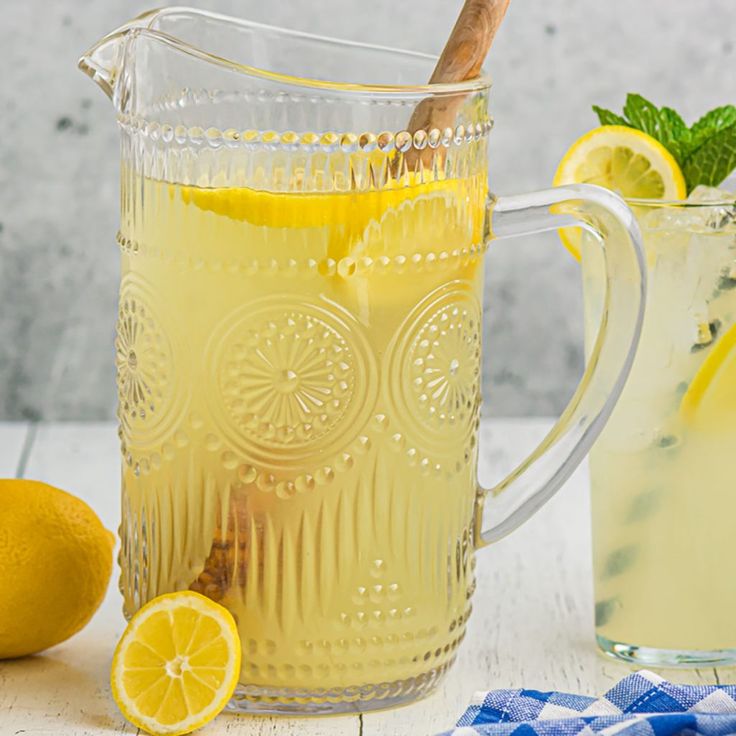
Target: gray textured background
553,58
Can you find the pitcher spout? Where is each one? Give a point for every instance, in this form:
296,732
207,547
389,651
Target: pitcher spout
103,62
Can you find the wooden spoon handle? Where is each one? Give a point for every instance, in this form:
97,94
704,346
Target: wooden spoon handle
461,59
468,44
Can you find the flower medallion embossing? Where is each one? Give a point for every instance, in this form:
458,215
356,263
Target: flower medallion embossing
144,366
434,370
289,380
292,379
445,365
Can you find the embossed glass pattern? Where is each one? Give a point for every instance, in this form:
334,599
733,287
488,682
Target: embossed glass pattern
299,434
298,350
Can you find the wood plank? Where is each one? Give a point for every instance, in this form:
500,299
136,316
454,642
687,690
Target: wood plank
13,437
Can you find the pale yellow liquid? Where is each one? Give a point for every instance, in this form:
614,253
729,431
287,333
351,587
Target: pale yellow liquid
663,492
299,383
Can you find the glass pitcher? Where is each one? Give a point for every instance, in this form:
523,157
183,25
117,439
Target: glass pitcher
298,348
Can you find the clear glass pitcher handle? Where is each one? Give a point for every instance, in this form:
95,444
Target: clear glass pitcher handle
504,507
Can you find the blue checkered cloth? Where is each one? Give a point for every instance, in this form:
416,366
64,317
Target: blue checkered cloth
642,704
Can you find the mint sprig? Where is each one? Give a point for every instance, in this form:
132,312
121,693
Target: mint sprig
706,151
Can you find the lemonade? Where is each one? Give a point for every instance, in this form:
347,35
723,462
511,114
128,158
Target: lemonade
661,472
662,490
298,381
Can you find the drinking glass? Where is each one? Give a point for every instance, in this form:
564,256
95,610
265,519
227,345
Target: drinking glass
662,486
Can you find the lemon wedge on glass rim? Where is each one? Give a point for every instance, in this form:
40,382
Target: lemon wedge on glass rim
637,166
625,160
177,664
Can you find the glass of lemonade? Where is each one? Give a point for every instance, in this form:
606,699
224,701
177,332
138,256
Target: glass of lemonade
662,470
299,343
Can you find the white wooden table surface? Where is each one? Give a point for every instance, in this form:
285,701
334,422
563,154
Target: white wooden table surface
531,625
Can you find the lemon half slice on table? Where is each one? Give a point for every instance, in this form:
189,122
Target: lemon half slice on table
177,664
625,160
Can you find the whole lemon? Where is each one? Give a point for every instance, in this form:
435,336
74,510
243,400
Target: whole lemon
55,564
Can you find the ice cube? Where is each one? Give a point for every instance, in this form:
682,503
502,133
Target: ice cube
705,194
722,213
675,219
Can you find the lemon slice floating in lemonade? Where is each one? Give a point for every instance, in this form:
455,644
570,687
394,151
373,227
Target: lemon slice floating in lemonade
710,400
177,664
383,221
625,160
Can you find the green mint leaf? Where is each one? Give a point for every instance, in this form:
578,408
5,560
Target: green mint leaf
713,160
642,114
674,123
664,125
619,561
711,123
706,152
604,610
606,117
674,134
646,503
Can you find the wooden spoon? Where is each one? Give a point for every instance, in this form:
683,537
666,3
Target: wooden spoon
461,59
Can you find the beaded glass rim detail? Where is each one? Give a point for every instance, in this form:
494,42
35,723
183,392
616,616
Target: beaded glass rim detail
328,142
